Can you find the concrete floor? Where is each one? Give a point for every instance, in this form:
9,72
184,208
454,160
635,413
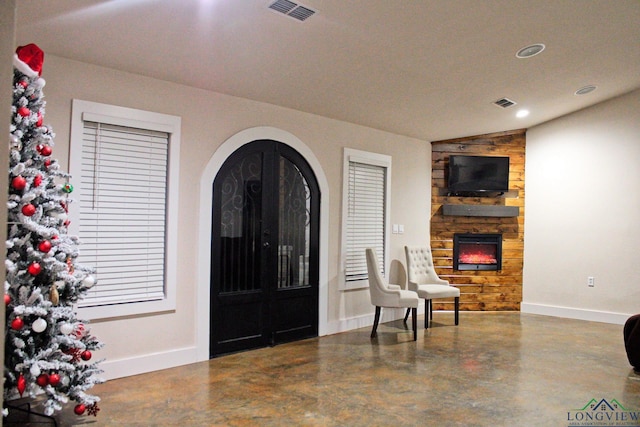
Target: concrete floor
494,369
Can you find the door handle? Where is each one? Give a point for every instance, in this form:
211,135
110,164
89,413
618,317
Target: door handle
266,245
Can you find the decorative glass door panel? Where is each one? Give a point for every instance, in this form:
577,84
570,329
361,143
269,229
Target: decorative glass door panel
294,227
241,201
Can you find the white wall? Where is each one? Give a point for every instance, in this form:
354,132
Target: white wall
583,213
151,342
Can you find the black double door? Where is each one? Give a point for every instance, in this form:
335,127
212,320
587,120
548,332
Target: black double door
264,254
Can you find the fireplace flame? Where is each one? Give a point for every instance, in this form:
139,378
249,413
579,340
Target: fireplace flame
477,258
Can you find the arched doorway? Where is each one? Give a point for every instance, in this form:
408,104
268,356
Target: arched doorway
264,250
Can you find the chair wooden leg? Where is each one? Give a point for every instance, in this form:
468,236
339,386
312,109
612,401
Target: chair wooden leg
427,306
414,323
375,322
430,309
406,316
457,308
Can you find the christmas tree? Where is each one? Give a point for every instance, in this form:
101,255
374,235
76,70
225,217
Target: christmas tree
47,348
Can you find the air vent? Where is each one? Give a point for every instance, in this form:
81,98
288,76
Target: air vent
291,9
301,13
504,103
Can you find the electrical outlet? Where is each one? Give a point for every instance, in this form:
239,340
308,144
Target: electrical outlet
591,281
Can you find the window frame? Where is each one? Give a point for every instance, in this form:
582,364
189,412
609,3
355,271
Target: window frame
122,116
372,159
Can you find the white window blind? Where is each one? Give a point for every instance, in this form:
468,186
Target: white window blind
122,198
365,213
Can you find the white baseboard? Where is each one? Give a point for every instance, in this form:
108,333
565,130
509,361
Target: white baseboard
147,363
575,313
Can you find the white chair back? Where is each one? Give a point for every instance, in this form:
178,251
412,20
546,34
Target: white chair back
377,285
420,268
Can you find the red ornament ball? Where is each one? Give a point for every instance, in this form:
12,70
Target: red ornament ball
17,324
44,246
42,380
40,119
37,180
34,269
47,163
19,183
7,299
46,150
54,379
79,409
23,83
28,209
86,355
24,111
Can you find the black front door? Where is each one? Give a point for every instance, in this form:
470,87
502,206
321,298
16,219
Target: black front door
264,251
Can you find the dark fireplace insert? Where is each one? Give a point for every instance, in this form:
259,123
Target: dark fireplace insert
473,251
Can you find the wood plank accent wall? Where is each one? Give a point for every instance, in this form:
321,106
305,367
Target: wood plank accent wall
480,290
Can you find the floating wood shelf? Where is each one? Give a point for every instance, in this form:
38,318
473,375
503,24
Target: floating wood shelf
480,210
510,194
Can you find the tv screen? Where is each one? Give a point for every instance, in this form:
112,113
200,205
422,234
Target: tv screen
478,174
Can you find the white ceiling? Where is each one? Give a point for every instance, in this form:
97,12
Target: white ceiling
429,69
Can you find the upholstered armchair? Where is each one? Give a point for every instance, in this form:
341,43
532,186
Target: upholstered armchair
423,279
384,295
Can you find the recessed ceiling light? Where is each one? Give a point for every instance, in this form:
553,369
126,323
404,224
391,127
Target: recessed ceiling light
522,113
531,50
586,89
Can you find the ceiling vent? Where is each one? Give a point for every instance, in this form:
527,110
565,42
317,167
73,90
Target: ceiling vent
505,103
291,9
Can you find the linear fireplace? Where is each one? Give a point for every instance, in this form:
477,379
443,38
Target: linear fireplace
472,251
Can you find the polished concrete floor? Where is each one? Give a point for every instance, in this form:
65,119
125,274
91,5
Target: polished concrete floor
494,369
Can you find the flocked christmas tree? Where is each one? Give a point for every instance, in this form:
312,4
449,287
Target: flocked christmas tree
48,350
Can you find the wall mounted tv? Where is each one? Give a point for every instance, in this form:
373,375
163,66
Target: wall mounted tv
478,174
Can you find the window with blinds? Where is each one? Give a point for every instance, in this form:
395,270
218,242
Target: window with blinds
124,168
365,213
122,198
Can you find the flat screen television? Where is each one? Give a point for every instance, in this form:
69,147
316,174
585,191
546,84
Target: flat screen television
478,174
